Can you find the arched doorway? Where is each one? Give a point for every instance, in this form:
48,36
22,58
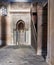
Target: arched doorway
20,34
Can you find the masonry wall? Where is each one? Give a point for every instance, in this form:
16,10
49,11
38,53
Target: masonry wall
51,32
16,12
0,30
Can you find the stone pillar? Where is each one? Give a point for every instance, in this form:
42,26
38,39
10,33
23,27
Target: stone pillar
9,29
50,42
0,31
48,59
39,30
9,38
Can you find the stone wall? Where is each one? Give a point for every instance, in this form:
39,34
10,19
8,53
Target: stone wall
20,16
50,57
20,5
16,12
0,30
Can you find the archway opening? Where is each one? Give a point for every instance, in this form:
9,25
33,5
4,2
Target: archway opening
20,27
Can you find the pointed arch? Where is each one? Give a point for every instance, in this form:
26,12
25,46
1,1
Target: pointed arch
20,25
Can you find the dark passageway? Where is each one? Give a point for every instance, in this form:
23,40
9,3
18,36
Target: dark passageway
44,32
3,30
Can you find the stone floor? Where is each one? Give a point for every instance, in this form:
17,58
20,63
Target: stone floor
16,55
